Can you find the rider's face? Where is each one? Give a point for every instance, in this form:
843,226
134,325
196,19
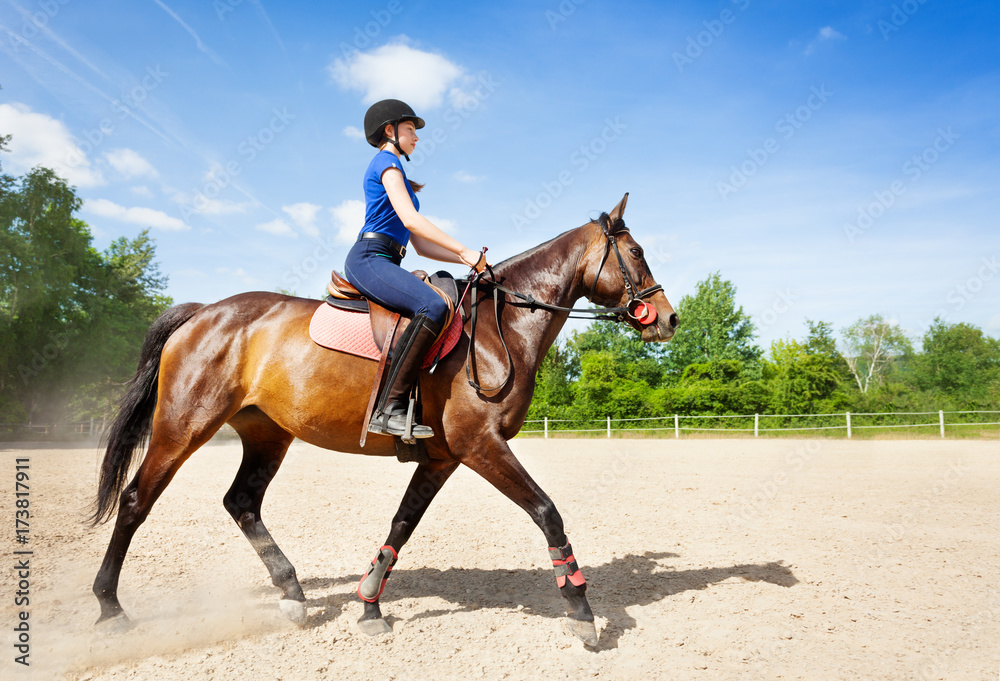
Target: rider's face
407,136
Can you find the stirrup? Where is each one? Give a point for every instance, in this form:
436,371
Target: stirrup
398,423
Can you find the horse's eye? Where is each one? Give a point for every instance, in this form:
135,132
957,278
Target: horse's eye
637,252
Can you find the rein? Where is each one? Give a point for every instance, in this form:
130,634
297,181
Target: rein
618,314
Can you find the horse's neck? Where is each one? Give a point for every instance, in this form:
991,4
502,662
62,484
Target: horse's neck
551,274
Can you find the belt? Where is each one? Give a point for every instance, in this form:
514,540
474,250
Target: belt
388,241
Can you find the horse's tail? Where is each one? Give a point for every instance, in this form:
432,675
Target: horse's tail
131,427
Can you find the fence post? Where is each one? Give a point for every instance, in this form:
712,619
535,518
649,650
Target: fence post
546,426
848,425
609,426
91,426
677,426
756,424
941,418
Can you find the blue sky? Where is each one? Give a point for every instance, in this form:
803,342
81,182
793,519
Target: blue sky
832,159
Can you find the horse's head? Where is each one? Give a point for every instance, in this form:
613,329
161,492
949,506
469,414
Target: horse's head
615,274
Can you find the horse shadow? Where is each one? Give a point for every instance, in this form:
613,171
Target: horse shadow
614,587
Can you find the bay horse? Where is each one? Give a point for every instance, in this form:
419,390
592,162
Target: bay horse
248,361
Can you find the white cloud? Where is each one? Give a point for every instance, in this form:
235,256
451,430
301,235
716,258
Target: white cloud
397,71
469,178
354,133
825,33
304,216
201,204
278,227
40,140
142,190
129,163
443,224
207,206
348,219
238,273
145,217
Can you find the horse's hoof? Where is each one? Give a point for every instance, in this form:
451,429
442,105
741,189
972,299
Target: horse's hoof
374,627
115,624
585,631
293,610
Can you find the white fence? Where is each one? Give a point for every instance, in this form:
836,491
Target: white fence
847,422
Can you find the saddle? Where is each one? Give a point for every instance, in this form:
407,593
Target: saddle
386,327
344,296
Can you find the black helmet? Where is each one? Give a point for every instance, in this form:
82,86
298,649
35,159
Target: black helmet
381,114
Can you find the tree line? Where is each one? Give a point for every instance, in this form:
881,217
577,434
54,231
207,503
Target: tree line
712,366
72,318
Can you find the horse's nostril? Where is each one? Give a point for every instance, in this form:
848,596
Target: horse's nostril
674,321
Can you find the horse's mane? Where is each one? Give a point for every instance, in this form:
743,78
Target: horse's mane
608,226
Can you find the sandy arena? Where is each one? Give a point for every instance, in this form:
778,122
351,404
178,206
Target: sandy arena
706,559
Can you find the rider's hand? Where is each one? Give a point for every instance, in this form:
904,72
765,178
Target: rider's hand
474,259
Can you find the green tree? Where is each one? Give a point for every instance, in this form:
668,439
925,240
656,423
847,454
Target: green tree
801,382
554,393
47,266
712,328
129,297
633,358
871,346
71,319
725,387
957,360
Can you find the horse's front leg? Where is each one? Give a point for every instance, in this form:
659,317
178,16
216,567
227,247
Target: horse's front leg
498,465
426,482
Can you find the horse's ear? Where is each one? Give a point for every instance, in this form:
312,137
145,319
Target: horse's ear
617,212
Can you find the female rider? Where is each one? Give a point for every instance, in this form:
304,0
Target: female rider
373,263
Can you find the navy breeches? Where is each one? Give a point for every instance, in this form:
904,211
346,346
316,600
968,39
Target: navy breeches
375,271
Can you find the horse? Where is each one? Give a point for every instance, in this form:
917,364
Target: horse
248,361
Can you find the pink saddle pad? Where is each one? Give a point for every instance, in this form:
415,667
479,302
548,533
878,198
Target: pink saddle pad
351,332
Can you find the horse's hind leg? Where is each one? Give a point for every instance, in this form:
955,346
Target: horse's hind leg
264,447
426,482
169,447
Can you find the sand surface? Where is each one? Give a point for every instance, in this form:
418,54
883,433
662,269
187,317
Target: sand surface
706,559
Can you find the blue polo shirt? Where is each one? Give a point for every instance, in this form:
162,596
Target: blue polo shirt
379,214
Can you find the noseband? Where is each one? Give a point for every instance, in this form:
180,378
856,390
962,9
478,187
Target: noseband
635,309
635,300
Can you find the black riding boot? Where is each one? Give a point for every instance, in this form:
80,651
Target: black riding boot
407,356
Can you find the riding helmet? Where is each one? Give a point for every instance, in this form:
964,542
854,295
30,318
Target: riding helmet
385,112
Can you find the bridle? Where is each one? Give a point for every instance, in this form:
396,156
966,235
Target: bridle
636,308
